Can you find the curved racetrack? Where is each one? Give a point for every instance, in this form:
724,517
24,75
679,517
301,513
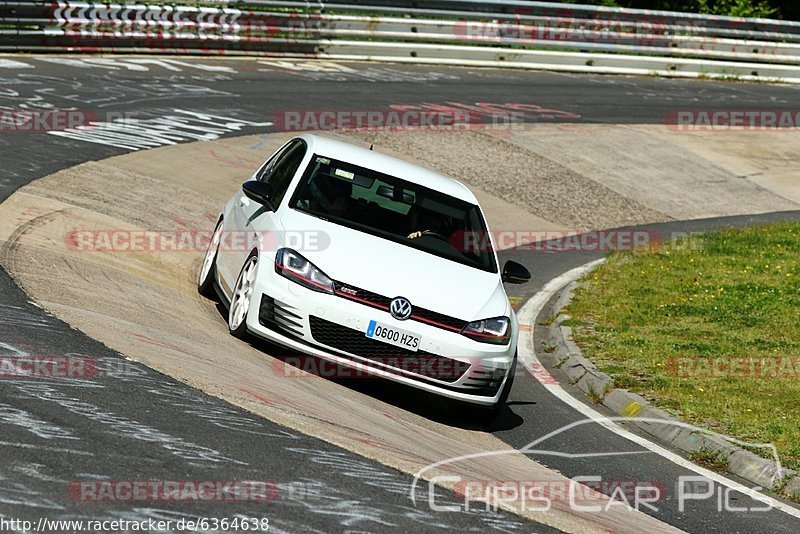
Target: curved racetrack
198,404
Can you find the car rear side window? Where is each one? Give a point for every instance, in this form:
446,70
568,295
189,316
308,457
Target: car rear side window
280,169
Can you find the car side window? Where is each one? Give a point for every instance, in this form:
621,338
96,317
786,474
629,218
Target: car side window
266,169
280,170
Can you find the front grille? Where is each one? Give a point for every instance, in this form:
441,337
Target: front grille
355,342
381,302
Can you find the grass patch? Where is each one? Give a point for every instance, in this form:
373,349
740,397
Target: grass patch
549,348
733,297
595,397
550,320
568,322
516,302
713,460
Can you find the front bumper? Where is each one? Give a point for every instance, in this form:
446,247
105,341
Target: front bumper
333,328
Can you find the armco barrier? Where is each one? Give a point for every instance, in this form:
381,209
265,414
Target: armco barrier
511,33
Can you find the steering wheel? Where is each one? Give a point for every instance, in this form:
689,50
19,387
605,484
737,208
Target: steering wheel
434,234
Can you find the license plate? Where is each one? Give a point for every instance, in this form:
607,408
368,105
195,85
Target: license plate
393,336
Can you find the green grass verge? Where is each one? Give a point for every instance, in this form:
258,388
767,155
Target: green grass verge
730,296
709,459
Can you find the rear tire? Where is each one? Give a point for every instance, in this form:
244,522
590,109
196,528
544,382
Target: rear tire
208,269
242,294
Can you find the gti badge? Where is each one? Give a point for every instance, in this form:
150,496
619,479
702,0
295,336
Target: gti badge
400,308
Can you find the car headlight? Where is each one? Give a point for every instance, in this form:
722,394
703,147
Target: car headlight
296,268
496,331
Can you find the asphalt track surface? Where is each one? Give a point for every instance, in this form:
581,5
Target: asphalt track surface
143,425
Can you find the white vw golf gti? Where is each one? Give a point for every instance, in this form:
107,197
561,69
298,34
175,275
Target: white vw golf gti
369,262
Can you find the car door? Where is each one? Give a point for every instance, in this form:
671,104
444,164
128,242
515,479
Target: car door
256,224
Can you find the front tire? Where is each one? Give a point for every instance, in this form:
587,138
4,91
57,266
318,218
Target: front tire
242,294
208,270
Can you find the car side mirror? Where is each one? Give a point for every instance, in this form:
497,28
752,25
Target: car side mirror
260,192
515,273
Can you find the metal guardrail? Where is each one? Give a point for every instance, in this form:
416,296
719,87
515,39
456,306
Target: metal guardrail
512,33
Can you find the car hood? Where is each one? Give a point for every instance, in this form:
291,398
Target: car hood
392,270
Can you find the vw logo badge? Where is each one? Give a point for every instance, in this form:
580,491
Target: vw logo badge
400,308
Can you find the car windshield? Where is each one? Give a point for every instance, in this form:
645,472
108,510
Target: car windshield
395,209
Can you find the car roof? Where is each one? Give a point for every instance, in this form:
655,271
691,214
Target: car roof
370,159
